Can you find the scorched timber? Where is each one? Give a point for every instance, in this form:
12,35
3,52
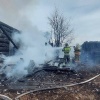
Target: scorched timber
56,69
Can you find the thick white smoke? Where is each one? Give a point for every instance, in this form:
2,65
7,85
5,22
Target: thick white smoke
32,40
32,48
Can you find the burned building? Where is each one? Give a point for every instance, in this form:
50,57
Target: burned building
7,45
91,52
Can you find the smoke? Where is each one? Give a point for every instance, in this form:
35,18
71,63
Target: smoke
15,12
32,51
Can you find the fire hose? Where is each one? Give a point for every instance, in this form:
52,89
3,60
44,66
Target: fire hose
5,97
57,87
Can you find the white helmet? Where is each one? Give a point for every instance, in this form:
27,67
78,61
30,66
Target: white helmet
78,46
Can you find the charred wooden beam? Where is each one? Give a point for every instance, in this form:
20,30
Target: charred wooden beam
4,40
58,70
5,32
4,49
4,44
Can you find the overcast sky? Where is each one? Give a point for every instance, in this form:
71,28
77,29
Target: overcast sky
84,14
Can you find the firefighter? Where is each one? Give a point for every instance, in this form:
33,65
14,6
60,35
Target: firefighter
77,51
66,51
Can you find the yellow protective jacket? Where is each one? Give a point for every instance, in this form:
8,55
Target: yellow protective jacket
66,50
77,50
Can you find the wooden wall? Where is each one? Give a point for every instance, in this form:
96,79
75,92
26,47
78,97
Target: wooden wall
4,44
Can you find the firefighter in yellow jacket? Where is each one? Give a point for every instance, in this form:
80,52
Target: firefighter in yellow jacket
66,51
77,51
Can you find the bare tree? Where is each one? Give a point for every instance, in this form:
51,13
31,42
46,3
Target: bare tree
60,28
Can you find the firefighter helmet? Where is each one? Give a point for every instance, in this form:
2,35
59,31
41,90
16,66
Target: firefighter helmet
66,44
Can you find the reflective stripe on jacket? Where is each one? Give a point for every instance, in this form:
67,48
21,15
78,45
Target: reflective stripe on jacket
66,50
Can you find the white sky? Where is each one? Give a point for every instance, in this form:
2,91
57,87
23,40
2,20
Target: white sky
85,15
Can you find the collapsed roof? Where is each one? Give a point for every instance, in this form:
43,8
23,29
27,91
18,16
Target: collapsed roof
6,37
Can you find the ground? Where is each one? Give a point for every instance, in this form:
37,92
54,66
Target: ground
46,83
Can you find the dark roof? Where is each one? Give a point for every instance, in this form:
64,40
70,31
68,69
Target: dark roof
8,28
7,31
